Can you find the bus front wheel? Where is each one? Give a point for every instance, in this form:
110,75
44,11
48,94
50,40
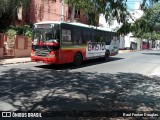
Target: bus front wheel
77,59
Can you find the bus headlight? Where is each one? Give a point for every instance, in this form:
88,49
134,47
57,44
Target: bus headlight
32,53
52,54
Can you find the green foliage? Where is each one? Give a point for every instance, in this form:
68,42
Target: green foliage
112,9
8,11
154,16
144,6
10,6
125,28
19,30
5,21
11,33
149,23
28,31
147,27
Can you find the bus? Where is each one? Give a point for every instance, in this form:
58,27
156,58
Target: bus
62,42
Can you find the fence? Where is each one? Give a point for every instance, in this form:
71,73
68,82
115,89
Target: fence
20,47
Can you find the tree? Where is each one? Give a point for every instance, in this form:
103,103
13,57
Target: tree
150,22
10,7
143,5
110,8
148,26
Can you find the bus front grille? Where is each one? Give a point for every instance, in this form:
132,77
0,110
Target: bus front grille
41,52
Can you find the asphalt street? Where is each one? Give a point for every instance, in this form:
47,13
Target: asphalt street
123,83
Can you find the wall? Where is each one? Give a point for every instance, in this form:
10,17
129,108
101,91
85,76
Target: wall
157,44
122,42
139,43
127,41
130,38
1,44
46,10
1,52
22,46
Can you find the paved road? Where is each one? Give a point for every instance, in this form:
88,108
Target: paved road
142,62
120,84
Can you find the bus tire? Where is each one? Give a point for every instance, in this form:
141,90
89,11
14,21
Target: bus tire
77,59
106,57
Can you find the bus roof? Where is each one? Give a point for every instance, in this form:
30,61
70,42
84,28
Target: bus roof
73,23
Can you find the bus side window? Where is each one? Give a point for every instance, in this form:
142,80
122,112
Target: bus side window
76,36
66,36
83,37
108,38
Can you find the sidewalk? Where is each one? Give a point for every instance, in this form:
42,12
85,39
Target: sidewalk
126,51
15,60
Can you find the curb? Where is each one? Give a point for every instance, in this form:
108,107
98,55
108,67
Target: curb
127,51
15,63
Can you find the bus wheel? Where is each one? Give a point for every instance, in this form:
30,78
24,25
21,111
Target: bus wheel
106,56
77,59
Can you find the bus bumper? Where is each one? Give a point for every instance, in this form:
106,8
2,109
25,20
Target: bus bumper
43,59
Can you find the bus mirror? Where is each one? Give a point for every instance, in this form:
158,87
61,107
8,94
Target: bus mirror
35,26
52,25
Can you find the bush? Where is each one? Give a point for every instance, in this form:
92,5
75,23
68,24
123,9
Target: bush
11,33
25,30
28,31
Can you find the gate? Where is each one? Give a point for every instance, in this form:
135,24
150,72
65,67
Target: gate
9,50
7,45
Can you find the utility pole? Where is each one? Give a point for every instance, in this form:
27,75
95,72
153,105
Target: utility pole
62,11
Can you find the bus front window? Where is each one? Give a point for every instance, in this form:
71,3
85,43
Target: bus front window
47,38
38,35
52,36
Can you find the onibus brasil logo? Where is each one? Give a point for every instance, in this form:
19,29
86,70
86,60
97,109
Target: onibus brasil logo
20,114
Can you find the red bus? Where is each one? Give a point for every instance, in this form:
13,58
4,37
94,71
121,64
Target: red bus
62,42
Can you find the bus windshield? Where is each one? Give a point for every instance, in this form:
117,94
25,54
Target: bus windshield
51,35
46,35
37,35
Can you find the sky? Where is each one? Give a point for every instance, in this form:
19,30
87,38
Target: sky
131,4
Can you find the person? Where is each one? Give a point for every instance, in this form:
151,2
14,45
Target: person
157,46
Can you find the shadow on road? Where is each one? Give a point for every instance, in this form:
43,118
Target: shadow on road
84,64
50,90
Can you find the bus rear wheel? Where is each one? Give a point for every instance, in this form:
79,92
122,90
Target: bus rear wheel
106,57
77,59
